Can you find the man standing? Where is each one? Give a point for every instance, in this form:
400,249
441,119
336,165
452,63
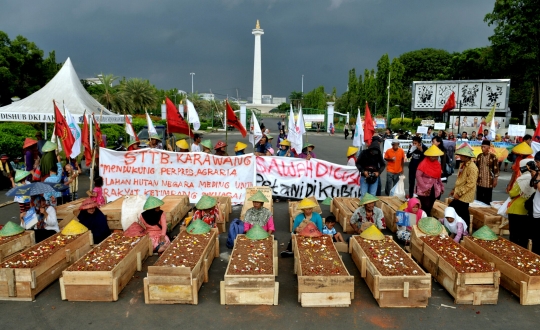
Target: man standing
488,173
416,154
40,142
473,135
465,188
195,146
371,165
395,158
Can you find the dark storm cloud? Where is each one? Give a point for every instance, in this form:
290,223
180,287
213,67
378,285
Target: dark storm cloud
164,41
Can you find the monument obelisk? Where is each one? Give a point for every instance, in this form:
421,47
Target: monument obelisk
257,78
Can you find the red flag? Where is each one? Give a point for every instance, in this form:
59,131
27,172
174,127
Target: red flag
536,136
62,131
85,139
97,133
369,129
450,103
175,121
481,129
232,120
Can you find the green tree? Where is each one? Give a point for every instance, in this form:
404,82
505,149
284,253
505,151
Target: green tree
315,99
140,93
108,95
426,64
296,98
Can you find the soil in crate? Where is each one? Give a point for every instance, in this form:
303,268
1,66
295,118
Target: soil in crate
185,250
107,254
515,255
35,255
252,257
5,239
388,257
460,258
318,257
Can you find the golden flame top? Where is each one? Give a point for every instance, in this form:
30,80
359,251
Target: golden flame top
257,26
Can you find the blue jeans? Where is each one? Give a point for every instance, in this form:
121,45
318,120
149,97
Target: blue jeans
368,188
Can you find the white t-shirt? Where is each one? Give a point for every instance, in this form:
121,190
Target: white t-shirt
536,204
195,147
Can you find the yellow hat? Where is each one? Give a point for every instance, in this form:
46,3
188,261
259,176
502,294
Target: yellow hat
285,143
182,144
351,151
433,151
372,233
74,227
239,146
523,149
306,203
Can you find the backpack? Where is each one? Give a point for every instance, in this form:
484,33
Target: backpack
236,227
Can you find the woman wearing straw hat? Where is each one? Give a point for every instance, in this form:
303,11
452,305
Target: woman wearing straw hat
367,213
522,151
134,145
259,215
518,220
285,149
465,188
154,220
182,145
155,142
307,151
206,146
306,205
30,149
48,159
429,185
221,149
240,148
21,180
351,156
92,218
208,211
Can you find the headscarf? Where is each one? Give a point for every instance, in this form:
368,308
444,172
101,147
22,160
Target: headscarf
97,223
257,216
450,212
498,138
412,203
152,217
430,168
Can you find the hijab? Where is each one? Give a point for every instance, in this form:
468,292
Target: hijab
152,217
430,168
450,212
97,223
412,203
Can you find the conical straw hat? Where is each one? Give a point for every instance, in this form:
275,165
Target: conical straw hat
132,143
74,227
368,198
523,149
152,202
306,203
205,203
485,233
19,175
198,227
430,226
351,151
28,142
269,137
310,230
88,204
372,233
327,201
464,152
155,137
307,144
285,143
135,230
207,144
433,151
258,197
11,229
49,146
256,233
240,146
182,144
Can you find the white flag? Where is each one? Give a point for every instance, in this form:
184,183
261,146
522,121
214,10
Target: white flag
151,128
129,129
75,131
358,139
57,142
193,117
291,134
492,129
255,133
300,122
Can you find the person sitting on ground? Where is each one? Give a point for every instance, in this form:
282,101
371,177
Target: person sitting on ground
285,149
182,145
367,213
413,206
92,218
208,211
258,214
47,222
206,146
307,151
221,149
240,148
329,229
307,215
454,224
154,222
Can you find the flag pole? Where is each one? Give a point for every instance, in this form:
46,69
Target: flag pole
459,118
188,124
93,159
226,126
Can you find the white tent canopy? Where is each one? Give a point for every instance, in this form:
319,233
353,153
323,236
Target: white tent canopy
64,88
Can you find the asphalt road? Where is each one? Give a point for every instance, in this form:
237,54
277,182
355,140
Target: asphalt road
48,311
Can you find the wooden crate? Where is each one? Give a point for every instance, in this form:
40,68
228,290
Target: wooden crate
267,192
392,291
9,246
417,245
67,212
322,291
293,211
105,285
523,285
438,210
466,288
343,209
226,209
487,216
250,289
175,208
24,284
389,205
180,285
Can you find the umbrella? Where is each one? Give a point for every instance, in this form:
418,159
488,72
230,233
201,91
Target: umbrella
57,186
32,189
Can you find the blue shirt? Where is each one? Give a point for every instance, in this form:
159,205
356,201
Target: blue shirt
315,218
327,231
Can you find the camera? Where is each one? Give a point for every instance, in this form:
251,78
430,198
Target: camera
371,178
530,166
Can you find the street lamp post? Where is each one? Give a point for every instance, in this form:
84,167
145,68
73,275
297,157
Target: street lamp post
192,74
302,85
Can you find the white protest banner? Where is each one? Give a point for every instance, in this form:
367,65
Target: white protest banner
516,130
422,129
160,173
300,178
440,126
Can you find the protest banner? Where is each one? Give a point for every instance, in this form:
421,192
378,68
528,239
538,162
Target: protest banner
298,178
160,173
500,149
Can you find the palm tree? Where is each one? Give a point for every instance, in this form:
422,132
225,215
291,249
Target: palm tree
109,95
140,94
296,98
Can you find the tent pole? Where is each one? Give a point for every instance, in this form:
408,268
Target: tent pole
45,131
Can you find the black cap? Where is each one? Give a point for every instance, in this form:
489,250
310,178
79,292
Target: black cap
486,143
197,135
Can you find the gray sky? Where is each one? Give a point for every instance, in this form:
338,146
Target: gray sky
165,40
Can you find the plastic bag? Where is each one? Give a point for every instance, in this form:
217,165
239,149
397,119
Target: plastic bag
399,189
504,208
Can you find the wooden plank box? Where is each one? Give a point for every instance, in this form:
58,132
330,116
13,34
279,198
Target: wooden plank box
250,289
23,284
487,216
438,210
324,290
293,211
180,285
343,209
9,246
523,285
467,288
389,205
67,212
417,245
175,208
105,285
392,291
267,192
226,209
